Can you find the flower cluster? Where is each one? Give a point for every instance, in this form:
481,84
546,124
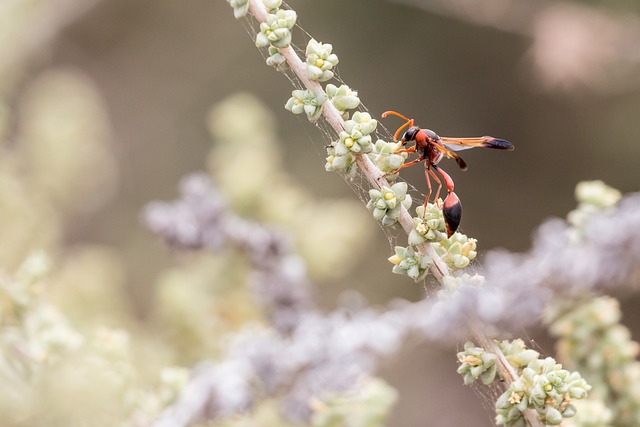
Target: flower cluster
410,262
428,225
387,202
593,197
272,5
240,7
343,98
320,61
545,387
354,139
276,59
384,156
476,362
276,30
590,330
305,101
368,407
457,251
356,134
517,354
36,333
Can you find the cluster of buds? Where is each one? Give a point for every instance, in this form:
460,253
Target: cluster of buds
320,61
343,98
593,197
428,225
354,139
275,33
410,262
476,362
585,333
305,101
542,384
368,407
356,135
385,157
240,8
457,251
387,202
276,30
545,387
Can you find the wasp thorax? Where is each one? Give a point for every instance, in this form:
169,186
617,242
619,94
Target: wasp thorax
432,135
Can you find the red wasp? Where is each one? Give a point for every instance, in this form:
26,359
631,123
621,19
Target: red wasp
432,148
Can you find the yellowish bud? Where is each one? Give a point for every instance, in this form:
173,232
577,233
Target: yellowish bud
395,259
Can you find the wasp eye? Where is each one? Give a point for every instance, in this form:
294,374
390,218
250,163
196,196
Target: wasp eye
410,134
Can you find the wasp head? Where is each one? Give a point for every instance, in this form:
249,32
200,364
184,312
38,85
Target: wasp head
410,134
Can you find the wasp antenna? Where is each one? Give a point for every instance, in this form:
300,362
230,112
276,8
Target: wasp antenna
395,113
409,122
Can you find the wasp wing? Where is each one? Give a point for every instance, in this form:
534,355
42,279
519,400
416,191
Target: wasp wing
459,144
452,155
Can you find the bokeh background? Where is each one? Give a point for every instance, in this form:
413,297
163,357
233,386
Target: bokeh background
560,80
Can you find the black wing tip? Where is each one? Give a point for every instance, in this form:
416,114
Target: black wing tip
461,163
498,144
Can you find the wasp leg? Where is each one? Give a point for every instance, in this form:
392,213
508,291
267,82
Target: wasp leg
406,165
428,171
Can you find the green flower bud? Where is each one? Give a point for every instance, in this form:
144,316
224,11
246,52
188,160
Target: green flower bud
517,353
343,98
356,137
320,61
542,385
387,202
476,363
272,5
457,251
385,159
275,31
240,7
340,157
305,101
409,262
275,59
552,416
366,406
597,193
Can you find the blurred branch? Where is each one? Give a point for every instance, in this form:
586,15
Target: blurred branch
520,286
202,219
307,354
566,52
